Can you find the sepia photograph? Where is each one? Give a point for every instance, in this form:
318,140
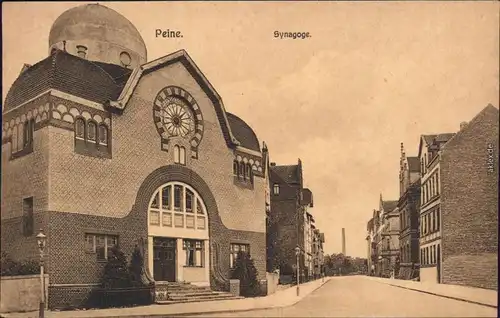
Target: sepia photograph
249,159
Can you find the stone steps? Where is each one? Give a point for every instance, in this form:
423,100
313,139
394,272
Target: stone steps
187,293
198,299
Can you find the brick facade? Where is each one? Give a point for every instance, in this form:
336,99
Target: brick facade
76,194
469,203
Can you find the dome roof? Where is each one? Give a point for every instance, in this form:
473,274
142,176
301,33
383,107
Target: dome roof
99,23
243,132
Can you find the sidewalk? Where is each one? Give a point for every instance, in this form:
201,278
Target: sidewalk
485,297
283,298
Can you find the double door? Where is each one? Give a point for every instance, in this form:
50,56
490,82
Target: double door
164,259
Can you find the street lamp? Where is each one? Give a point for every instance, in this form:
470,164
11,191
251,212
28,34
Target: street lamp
297,253
41,239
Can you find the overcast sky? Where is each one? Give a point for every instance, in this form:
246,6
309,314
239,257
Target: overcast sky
372,75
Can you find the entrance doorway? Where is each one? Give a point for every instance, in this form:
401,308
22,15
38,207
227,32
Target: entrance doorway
164,261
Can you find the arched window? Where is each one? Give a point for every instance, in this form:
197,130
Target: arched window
14,140
242,170
182,156
177,205
103,135
20,136
92,131
80,128
235,167
177,154
248,172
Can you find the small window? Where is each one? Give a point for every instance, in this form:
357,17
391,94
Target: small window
103,135
194,253
81,51
100,244
28,221
276,189
235,249
125,59
92,131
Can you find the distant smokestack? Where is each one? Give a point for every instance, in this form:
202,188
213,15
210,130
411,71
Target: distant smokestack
463,125
343,241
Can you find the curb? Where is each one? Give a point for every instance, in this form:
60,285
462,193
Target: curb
444,296
221,311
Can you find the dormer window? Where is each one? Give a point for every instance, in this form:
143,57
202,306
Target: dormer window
81,51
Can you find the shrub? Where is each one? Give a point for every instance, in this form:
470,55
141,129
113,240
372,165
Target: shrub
10,267
116,273
246,272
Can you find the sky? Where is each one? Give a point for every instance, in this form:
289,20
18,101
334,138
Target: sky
372,75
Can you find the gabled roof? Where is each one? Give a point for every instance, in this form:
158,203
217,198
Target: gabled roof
413,164
437,139
389,205
288,173
181,56
94,81
488,110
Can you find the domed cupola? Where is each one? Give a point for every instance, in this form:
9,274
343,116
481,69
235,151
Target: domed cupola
98,33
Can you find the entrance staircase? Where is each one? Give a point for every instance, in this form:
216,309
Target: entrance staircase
174,293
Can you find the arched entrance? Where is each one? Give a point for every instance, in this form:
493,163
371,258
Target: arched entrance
178,235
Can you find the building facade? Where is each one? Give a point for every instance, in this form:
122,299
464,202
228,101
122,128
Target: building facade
389,241
459,217
409,207
289,215
100,152
371,247
430,213
318,253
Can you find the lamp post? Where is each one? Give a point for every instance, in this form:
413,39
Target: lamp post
41,239
297,253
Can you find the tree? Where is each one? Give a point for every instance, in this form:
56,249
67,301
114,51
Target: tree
116,273
246,272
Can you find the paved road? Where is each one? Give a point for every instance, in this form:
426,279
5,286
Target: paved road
360,297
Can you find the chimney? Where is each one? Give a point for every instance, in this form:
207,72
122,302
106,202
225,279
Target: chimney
343,242
463,125
273,164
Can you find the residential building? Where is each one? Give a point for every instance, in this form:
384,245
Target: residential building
378,227
290,202
102,148
409,207
459,214
318,253
371,247
389,241
308,244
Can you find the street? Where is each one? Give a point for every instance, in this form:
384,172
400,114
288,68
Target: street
356,296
